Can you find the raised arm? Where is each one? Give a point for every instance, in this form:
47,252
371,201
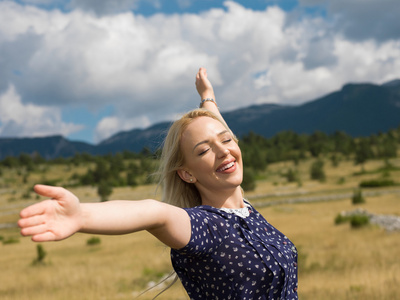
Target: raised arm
205,90
64,215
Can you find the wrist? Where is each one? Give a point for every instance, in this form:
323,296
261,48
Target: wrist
205,100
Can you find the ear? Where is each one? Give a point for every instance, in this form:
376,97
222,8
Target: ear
186,176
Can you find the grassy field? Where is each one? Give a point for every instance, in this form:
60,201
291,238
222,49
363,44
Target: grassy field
335,261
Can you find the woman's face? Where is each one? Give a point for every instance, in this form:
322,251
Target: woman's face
212,158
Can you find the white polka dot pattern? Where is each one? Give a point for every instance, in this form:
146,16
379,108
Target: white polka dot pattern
230,257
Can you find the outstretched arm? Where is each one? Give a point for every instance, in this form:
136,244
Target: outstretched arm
64,215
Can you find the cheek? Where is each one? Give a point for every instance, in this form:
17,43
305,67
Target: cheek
200,166
237,152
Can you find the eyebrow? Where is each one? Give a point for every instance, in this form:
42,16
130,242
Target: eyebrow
206,141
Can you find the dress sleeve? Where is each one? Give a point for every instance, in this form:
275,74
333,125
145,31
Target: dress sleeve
208,229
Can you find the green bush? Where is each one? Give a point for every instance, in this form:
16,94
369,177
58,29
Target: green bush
291,175
377,183
104,190
340,219
93,241
249,181
358,221
357,198
341,180
317,170
41,254
10,240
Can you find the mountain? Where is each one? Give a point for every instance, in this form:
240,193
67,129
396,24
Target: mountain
357,109
47,147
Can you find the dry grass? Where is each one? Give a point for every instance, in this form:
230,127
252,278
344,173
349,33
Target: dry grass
336,262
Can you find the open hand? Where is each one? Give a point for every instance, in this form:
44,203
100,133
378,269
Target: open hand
51,220
203,85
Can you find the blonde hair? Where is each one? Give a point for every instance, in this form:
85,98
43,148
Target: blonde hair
175,191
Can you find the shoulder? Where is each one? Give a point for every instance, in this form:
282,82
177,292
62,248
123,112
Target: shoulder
209,228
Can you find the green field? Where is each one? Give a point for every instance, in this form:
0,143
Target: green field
335,261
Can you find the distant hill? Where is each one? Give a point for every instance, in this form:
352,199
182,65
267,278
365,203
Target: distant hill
357,109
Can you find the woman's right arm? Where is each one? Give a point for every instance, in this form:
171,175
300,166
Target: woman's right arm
64,215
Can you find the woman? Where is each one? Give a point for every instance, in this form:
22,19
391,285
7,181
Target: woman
221,247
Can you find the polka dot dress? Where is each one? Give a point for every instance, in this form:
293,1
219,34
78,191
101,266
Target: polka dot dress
232,257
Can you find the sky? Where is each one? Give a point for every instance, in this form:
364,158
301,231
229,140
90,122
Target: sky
87,69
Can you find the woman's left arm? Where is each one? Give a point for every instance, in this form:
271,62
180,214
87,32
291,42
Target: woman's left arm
205,90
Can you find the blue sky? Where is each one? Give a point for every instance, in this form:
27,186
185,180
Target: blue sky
87,69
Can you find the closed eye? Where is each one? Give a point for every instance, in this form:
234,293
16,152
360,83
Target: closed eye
227,141
203,152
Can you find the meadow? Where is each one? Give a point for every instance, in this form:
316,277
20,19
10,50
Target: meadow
335,261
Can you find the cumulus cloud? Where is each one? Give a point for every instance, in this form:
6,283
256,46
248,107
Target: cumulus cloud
362,19
19,120
145,66
368,19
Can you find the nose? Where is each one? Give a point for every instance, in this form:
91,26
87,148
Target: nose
223,152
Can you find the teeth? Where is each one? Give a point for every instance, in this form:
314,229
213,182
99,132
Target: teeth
230,165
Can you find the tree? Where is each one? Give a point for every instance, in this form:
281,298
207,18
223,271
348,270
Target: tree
317,170
358,197
104,190
41,254
335,160
291,175
388,148
343,143
249,181
363,152
318,143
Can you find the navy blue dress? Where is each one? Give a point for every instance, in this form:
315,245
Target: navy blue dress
231,257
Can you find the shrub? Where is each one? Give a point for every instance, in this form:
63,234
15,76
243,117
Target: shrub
317,170
377,183
10,240
341,180
93,241
340,219
41,254
104,190
291,175
249,181
357,198
358,221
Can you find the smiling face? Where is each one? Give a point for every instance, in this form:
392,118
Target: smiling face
213,160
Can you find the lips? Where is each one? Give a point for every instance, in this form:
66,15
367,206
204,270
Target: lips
227,167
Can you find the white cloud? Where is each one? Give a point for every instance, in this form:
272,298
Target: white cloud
19,120
145,66
367,19
111,125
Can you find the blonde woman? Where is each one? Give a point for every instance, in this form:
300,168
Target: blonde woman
221,247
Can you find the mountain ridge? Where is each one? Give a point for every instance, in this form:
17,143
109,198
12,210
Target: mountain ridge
359,109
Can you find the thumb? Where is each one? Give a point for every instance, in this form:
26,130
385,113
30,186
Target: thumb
49,191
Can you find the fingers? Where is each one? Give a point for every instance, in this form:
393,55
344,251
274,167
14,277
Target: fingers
44,237
35,209
34,223
202,73
33,218
33,230
30,221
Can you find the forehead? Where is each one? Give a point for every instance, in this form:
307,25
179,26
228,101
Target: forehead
202,128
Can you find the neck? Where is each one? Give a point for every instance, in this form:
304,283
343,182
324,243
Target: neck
223,199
